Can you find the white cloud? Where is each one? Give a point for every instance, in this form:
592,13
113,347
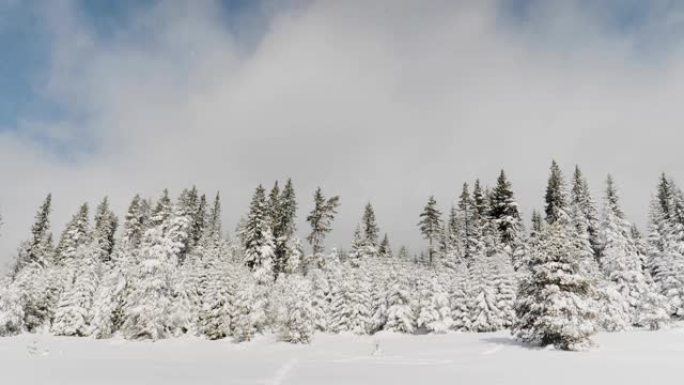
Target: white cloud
386,102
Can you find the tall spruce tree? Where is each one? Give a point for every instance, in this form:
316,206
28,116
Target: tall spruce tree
467,226
320,219
555,302
38,249
76,233
431,226
370,227
258,239
504,211
622,265
106,223
555,197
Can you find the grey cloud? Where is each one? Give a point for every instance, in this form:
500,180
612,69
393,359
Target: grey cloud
388,103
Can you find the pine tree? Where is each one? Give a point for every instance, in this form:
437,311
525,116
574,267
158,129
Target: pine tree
430,225
320,303
370,229
258,240
451,242
320,219
134,223
583,210
555,195
199,221
400,316
350,302
108,302
247,314
486,316
217,296
584,223
149,309
213,228
385,250
74,309
467,228
621,263
103,232
299,321
11,310
504,211
403,254
555,302
460,299
38,249
434,312
77,233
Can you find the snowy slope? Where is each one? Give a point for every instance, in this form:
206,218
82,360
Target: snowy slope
635,357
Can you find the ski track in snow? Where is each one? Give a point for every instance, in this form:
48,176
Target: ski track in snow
282,372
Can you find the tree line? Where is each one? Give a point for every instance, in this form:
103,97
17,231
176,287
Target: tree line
170,269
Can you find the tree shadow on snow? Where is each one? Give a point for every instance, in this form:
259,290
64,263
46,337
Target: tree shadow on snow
510,341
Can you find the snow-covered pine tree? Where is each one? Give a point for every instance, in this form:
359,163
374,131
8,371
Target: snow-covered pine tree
217,295
666,244
134,223
385,250
555,303
320,304
350,301
431,226
505,213
403,255
298,326
584,229
258,240
199,221
104,229
38,249
434,312
76,233
555,197
622,265
248,313
320,219
400,315
486,316
108,301
11,309
466,213
74,310
460,298
583,209
150,307
356,250
213,232
379,281
451,244
506,219
370,232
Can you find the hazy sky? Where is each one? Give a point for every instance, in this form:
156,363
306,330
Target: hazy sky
380,101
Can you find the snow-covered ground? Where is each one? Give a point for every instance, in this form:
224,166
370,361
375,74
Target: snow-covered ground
635,357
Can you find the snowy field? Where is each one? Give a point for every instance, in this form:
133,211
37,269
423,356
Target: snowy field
635,357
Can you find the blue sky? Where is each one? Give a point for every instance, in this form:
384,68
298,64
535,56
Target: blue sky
26,43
